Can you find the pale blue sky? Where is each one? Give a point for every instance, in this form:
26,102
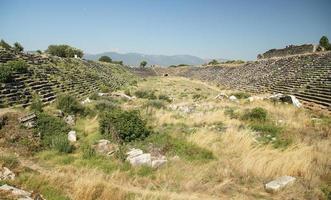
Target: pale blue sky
235,29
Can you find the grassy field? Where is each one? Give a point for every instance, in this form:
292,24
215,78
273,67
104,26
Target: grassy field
216,149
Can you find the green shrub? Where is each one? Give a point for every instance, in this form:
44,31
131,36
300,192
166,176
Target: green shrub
178,146
256,114
53,132
144,94
18,66
7,69
123,126
105,59
155,104
198,97
94,96
18,47
11,161
105,106
5,74
37,104
165,98
241,95
104,89
231,112
88,152
69,104
5,45
61,144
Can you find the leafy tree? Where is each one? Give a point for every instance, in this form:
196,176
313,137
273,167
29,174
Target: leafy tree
143,64
324,42
213,62
39,51
18,47
5,44
64,51
105,59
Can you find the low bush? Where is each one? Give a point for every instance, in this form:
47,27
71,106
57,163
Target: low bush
232,113
88,152
165,98
61,144
241,95
198,97
53,132
256,114
123,126
11,161
177,146
7,69
37,104
144,94
155,104
270,133
69,104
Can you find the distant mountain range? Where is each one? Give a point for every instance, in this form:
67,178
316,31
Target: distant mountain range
134,59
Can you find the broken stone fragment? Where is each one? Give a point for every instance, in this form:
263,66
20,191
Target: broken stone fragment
72,137
70,120
105,147
279,183
136,157
233,98
6,174
20,194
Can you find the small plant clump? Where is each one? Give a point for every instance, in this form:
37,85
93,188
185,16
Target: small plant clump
145,94
256,114
241,95
69,104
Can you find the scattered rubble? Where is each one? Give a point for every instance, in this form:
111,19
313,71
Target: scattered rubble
286,99
279,183
6,174
222,96
59,113
122,95
100,94
105,147
20,194
70,120
72,137
183,108
136,157
87,100
233,98
29,120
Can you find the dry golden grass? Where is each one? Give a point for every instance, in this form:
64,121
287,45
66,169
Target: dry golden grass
241,166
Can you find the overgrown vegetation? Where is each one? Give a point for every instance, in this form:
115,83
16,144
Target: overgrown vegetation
53,133
256,114
123,126
145,94
69,105
241,95
37,104
324,42
7,69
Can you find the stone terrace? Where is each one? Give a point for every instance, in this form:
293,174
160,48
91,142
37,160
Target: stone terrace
50,76
308,77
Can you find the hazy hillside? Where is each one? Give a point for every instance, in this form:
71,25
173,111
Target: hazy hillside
162,60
